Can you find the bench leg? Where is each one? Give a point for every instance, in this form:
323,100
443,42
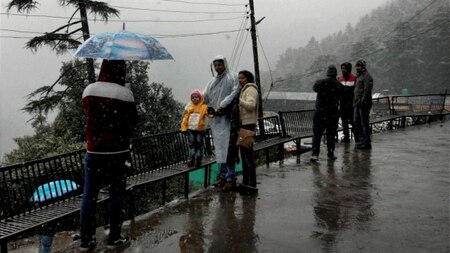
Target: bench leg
164,192
186,185
298,145
4,247
267,153
206,177
281,153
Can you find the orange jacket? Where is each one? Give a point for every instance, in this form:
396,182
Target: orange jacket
194,117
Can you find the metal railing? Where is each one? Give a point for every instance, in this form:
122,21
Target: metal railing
433,103
381,107
296,121
28,186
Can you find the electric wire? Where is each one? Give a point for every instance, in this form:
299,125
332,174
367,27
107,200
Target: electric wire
203,3
242,49
236,50
268,65
125,20
173,11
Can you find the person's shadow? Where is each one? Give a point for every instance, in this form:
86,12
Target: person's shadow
342,198
233,225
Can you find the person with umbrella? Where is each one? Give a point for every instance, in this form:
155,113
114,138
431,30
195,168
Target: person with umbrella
110,116
219,93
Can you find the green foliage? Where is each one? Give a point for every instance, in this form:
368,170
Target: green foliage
158,111
405,44
43,143
64,37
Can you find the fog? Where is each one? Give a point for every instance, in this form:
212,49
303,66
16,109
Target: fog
287,23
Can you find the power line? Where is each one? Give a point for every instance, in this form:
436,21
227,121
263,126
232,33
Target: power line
126,20
242,49
20,31
205,3
14,37
192,34
173,11
268,65
238,43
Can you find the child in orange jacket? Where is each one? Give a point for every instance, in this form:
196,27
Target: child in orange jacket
193,126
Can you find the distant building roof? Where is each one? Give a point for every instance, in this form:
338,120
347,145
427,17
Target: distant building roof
305,96
289,101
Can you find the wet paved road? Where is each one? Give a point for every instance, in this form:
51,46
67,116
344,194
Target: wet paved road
394,198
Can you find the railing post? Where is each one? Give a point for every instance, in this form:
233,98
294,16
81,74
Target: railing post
186,185
4,247
283,126
164,186
205,177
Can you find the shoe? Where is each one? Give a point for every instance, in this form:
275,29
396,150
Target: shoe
314,158
345,140
331,156
121,241
229,186
198,163
191,163
364,146
90,245
220,183
247,189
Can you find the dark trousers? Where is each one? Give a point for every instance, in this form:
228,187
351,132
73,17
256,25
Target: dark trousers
101,170
196,144
361,119
324,121
346,114
248,162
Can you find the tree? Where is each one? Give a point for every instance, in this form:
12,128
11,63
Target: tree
158,109
44,143
158,112
62,38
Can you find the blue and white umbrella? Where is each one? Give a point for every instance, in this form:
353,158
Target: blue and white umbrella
53,190
123,45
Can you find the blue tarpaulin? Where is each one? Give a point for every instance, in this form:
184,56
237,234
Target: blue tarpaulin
53,190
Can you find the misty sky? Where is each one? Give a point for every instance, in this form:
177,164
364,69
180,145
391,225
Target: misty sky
287,23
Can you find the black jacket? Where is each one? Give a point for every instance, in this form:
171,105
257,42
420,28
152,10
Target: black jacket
329,92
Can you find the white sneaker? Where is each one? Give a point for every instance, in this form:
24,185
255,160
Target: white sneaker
121,241
314,158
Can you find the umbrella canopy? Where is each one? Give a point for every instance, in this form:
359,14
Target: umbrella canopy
123,45
53,190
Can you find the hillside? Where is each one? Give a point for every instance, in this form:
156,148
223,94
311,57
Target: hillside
405,44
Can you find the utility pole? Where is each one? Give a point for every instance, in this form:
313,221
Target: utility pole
255,58
86,35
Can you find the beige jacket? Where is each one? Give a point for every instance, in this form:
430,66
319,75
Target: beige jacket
248,104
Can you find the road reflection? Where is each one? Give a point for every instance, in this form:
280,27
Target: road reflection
342,197
233,226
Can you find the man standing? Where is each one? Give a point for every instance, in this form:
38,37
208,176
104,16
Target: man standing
219,93
346,104
362,103
326,117
110,117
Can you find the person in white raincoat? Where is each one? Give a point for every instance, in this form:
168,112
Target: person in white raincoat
219,93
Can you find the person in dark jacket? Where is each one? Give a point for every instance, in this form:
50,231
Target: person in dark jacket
346,104
362,103
111,115
326,115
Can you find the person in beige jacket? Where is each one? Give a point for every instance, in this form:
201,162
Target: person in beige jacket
248,115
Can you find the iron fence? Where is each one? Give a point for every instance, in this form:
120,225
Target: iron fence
432,103
297,121
35,184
